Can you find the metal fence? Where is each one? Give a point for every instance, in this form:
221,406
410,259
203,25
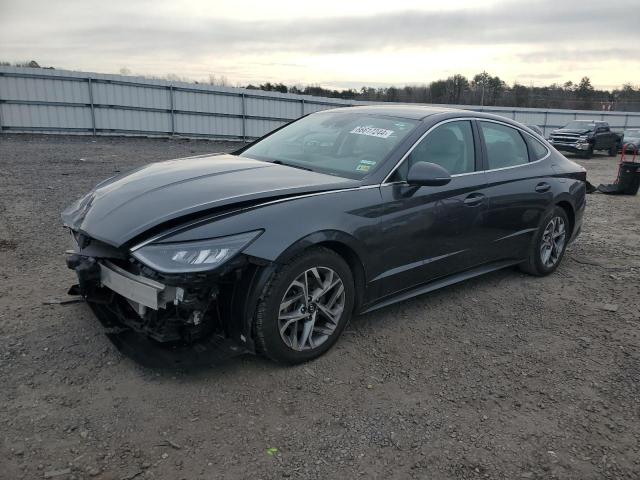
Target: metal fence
58,101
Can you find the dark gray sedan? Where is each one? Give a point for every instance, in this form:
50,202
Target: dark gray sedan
274,247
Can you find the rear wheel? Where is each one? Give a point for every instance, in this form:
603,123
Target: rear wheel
305,307
549,244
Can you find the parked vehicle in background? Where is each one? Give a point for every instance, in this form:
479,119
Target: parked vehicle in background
631,138
536,129
584,137
341,212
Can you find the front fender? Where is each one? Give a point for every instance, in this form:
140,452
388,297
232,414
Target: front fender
323,236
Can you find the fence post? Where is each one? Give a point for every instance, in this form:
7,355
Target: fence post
626,121
244,119
173,114
302,107
546,123
93,112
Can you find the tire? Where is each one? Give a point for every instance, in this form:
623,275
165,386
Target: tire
588,153
613,150
537,263
307,329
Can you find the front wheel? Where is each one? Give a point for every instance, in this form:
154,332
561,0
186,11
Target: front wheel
613,150
588,153
305,307
548,245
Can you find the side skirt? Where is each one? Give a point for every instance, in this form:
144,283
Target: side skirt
441,283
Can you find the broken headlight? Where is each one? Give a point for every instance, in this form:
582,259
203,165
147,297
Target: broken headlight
197,256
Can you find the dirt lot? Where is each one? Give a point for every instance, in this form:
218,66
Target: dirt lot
502,377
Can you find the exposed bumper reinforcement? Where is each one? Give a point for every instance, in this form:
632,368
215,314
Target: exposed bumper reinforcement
135,288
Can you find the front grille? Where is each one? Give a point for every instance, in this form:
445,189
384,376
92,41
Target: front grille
565,137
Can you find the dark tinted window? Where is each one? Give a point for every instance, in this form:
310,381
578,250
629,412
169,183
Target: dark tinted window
538,150
505,145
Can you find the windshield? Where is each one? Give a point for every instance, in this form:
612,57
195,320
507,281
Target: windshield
345,144
635,133
580,125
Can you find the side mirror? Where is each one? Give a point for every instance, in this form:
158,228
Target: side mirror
427,174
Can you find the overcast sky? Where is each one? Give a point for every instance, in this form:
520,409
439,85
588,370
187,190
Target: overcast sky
335,43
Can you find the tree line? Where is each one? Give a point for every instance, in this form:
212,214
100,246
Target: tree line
483,89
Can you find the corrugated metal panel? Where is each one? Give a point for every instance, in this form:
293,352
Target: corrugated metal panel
530,118
117,119
588,116
258,128
43,90
559,119
616,121
212,126
207,102
40,116
271,107
131,96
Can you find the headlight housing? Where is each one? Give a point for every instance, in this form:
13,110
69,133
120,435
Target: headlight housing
583,138
196,256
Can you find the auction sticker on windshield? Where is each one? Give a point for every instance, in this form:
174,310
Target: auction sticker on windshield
372,131
365,165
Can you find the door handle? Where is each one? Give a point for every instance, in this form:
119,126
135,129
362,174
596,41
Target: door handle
542,187
474,199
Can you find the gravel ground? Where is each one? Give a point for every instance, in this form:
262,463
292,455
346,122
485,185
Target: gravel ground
503,377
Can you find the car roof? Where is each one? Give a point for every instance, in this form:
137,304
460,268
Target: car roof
414,112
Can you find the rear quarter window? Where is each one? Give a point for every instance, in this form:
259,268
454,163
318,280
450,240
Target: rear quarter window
537,148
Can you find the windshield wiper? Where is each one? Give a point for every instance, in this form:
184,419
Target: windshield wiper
280,162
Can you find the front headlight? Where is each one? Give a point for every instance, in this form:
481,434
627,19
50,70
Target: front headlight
197,256
583,138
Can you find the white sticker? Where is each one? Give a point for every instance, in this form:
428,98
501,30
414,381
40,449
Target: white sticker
372,131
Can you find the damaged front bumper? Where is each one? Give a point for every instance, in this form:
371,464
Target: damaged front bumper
196,317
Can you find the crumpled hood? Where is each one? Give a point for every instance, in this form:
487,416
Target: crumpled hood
127,205
577,131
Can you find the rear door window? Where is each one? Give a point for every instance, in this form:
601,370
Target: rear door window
449,145
505,145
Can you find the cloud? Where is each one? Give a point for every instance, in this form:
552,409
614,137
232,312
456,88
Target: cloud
546,23
571,37
580,54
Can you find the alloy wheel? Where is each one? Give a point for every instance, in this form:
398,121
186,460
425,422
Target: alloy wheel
311,308
552,243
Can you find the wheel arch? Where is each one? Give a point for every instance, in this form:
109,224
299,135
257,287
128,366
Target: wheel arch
571,214
345,245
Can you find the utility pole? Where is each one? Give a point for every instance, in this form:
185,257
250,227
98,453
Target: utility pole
484,81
